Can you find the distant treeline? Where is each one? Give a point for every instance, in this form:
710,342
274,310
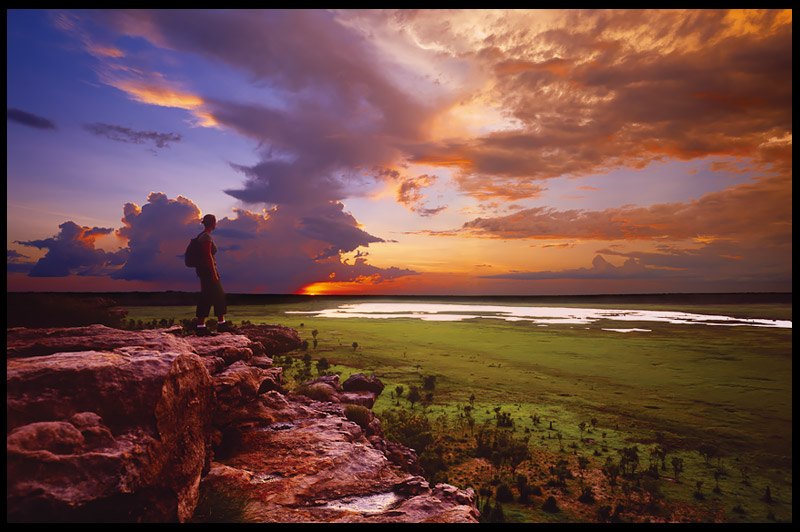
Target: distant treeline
172,298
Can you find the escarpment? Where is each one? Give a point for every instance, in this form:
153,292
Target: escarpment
106,425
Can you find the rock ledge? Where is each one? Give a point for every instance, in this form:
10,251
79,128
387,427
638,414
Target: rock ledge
105,425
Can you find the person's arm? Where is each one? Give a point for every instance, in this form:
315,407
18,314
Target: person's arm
210,260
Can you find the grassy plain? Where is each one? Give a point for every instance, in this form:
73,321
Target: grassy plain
685,387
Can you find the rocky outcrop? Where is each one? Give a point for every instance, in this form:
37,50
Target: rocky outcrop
139,426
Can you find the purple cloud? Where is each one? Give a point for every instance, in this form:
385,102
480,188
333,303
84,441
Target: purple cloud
72,251
280,251
126,134
328,111
29,119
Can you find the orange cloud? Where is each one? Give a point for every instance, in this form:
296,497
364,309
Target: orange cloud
108,51
148,87
760,209
443,160
590,91
557,67
730,100
166,96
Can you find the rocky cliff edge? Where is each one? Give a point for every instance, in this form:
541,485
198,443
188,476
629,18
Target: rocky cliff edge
149,426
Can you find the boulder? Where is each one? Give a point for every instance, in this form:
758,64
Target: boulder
359,382
106,435
275,339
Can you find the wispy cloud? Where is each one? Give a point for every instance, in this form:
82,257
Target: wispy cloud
752,210
600,269
126,134
29,119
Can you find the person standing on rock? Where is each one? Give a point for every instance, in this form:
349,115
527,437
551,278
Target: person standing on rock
211,292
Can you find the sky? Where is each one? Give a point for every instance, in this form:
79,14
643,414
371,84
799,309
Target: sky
401,152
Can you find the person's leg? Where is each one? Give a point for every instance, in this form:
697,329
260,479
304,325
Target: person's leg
204,303
220,308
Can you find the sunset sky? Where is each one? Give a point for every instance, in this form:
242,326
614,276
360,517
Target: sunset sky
401,152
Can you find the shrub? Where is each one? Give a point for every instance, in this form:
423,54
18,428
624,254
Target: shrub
524,493
503,493
550,505
587,497
604,513
316,391
434,465
408,428
360,415
220,505
413,395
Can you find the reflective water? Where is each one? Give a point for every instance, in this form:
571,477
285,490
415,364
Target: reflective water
370,504
539,315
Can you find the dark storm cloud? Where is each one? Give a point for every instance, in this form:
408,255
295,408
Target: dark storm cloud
28,119
331,111
335,227
72,251
294,246
17,262
157,235
126,134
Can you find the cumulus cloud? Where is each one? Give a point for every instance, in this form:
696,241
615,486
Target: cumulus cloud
157,234
73,251
279,251
282,250
29,119
126,134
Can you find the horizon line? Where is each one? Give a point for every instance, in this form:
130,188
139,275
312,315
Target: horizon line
605,294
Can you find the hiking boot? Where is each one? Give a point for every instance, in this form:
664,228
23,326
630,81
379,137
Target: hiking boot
203,331
226,327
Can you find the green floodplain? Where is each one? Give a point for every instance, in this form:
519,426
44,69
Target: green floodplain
665,422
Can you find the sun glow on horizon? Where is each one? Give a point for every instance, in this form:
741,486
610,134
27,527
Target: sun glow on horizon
334,288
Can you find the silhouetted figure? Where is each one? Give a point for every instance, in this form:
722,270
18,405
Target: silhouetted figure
211,292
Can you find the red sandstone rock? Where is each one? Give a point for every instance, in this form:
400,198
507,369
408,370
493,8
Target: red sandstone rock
358,382
116,436
110,425
276,339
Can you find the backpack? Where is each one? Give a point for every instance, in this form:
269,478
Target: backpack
192,255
